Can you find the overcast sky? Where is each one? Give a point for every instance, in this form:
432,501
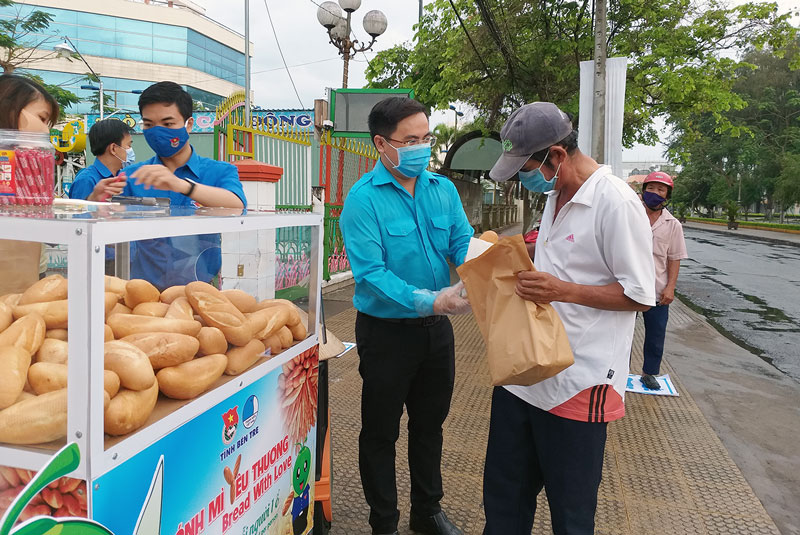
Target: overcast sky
314,63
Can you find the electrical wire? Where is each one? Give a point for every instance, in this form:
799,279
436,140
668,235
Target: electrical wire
277,41
463,27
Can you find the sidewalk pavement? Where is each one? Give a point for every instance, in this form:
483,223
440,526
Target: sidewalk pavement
762,235
666,470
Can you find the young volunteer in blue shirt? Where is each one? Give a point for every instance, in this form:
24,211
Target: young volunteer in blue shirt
401,224
110,142
178,173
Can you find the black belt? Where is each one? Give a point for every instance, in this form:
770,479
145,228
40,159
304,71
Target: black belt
427,321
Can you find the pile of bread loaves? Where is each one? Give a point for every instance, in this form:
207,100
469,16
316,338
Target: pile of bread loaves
179,341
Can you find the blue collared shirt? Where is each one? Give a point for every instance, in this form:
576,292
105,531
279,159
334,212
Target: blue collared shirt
84,184
87,179
168,262
397,243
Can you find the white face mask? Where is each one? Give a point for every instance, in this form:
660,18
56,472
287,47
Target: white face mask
130,157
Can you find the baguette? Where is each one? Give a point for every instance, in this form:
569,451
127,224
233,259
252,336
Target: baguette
274,344
115,285
211,341
140,291
52,288
35,420
190,379
57,334
270,320
111,300
299,331
180,309
172,293
54,312
110,383
130,363
53,351
26,333
285,336
294,315
242,300
241,358
47,376
154,310
126,324
108,334
217,311
6,316
14,364
165,349
129,410
10,299
119,308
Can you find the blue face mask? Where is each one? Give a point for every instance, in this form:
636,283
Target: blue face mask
164,141
535,180
130,157
652,200
412,160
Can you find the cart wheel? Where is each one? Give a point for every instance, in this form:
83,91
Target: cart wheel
321,525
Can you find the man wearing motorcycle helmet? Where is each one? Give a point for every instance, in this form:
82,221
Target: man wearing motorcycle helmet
669,249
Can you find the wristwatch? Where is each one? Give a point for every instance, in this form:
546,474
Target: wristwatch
192,185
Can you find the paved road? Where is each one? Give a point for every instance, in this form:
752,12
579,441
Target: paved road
750,289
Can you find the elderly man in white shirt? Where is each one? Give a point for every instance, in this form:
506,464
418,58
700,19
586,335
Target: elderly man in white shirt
594,263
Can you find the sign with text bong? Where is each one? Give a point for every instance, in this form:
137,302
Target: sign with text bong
302,120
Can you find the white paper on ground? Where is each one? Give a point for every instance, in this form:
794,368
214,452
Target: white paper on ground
347,347
667,386
476,248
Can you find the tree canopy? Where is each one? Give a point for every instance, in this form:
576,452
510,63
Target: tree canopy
499,54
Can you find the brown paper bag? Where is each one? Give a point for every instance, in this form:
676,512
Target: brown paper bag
525,342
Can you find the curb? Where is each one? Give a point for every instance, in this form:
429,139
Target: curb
746,236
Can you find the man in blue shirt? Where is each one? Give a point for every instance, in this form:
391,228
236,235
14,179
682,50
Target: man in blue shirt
401,224
110,142
178,173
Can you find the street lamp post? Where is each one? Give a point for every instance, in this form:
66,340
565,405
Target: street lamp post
458,114
68,50
330,16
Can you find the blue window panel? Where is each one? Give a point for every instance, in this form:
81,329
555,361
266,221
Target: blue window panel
196,39
169,58
169,45
63,15
135,54
166,30
134,26
96,34
197,64
196,52
97,21
134,40
93,49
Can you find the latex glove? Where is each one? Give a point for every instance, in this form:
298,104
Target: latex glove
451,300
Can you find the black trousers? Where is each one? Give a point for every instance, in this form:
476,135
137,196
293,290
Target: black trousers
411,366
529,449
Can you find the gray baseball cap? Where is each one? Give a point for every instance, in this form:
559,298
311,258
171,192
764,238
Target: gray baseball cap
531,128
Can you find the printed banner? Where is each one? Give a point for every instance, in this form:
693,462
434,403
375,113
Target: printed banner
667,386
245,466
204,120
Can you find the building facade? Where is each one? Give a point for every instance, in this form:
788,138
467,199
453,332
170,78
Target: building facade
132,43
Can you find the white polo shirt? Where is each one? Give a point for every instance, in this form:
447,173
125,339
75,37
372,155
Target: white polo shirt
601,236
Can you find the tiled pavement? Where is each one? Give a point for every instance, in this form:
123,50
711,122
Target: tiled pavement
700,490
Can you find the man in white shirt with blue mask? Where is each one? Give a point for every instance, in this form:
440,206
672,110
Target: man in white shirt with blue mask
594,264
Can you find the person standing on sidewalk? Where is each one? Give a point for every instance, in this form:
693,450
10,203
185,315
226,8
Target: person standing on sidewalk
594,263
401,223
669,248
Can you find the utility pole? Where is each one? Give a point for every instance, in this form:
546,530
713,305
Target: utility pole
247,119
420,11
599,101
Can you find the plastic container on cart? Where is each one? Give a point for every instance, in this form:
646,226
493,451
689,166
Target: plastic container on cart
247,427
27,168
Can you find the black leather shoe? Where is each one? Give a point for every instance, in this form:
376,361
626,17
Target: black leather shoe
437,524
650,382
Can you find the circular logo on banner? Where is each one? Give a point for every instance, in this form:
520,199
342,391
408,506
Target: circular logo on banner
250,411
